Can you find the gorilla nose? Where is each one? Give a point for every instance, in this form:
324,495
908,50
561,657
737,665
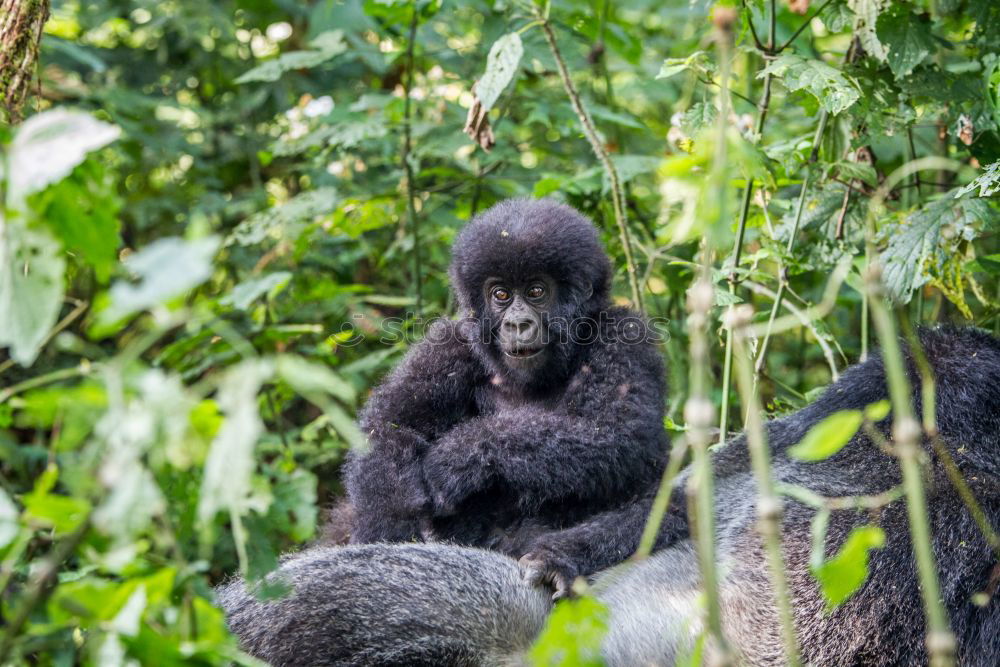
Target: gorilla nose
521,328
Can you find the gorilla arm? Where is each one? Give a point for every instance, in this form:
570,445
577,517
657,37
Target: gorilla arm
606,442
428,393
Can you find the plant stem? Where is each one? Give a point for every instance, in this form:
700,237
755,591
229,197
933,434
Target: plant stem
411,208
698,408
768,502
617,197
906,430
928,402
698,417
41,586
54,376
661,503
906,434
78,309
782,278
762,109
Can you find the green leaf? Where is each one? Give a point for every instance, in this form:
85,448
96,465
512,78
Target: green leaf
834,90
877,411
698,117
165,269
328,45
906,36
8,520
672,66
988,182
501,65
866,12
827,437
281,221
62,513
921,247
226,484
49,145
572,634
841,576
82,212
250,290
31,289
308,378
862,172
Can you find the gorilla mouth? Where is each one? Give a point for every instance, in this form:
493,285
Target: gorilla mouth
523,352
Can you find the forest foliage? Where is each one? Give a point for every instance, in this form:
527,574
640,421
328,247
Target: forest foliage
224,221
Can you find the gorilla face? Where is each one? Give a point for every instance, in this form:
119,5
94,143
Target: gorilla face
524,272
520,311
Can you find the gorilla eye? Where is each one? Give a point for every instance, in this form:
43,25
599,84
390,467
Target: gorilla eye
500,294
535,292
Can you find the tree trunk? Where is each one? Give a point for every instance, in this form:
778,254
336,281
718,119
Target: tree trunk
21,23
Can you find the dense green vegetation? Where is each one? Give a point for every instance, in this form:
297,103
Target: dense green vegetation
223,221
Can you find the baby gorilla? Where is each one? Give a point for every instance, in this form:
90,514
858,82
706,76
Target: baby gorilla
542,406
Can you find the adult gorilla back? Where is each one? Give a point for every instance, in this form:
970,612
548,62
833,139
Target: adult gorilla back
452,605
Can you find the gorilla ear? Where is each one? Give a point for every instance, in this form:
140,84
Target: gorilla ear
589,293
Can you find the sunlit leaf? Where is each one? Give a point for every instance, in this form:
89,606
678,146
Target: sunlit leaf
249,291
226,483
164,269
906,36
672,66
8,519
920,247
62,513
572,634
866,13
841,576
328,45
876,412
308,377
827,437
501,65
31,289
48,145
988,182
834,91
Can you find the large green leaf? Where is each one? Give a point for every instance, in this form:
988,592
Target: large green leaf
834,91
921,247
906,36
82,212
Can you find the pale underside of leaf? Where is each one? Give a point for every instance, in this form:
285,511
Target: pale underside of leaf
49,145
501,65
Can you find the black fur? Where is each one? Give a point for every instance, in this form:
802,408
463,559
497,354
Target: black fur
468,449
883,623
344,612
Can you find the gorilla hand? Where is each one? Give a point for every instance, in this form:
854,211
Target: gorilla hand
454,469
546,566
389,478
